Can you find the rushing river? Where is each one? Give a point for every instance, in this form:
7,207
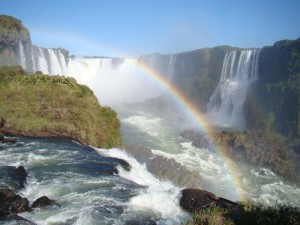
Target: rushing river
92,186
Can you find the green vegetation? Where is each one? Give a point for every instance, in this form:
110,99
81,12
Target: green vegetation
210,216
253,214
43,105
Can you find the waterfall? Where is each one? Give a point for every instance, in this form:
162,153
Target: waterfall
171,67
21,55
226,104
49,61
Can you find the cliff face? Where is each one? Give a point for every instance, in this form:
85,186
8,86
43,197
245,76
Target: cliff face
195,73
277,92
13,35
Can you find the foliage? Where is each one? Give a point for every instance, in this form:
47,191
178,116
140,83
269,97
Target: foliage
257,213
40,104
253,214
210,216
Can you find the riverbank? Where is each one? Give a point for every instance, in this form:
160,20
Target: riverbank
38,105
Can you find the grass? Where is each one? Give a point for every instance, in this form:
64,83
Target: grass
38,104
253,214
210,216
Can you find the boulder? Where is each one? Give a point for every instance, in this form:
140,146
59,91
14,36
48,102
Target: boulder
13,177
2,122
8,139
194,200
42,202
12,204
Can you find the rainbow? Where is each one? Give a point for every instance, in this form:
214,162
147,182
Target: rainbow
203,124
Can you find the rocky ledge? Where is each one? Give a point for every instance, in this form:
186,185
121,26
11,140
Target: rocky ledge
250,147
195,200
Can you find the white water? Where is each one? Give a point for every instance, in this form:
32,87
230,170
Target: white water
21,56
171,67
259,184
160,196
226,105
126,83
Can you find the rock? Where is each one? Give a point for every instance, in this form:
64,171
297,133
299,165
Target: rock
42,202
19,219
141,222
2,122
194,200
198,139
125,165
165,168
14,177
9,140
169,169
250,147
12,204
1,137
139,152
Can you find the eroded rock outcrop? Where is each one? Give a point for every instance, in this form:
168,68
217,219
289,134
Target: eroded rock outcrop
194,200
251,147
165,168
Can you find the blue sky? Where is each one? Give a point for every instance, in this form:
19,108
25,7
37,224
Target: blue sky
129,28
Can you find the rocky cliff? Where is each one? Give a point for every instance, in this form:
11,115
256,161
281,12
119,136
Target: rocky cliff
13,35
275,98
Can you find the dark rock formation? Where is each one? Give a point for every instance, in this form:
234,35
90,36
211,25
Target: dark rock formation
125,165
13,177
19,219
165,168
277,91
42,202
141,222
12,33
194,200
11,204
250,147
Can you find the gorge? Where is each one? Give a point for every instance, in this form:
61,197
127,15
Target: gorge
245,93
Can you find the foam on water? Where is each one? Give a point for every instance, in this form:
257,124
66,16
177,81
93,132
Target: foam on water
259,184
160,196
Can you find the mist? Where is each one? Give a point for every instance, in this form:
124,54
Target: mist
115,82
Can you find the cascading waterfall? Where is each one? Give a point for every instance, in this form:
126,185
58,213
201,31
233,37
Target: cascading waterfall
49,61
171,67
21,55
226,104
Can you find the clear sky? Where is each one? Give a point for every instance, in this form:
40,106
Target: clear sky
129,28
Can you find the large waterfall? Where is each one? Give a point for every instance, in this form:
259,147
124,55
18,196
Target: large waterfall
49,61
226,105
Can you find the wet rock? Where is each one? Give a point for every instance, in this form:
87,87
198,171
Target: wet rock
139,152
12,204
170,169
198,139
13,177
19,219
250,147
125,165
141,222
42,202
194,200
165,168
2,122
9,140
